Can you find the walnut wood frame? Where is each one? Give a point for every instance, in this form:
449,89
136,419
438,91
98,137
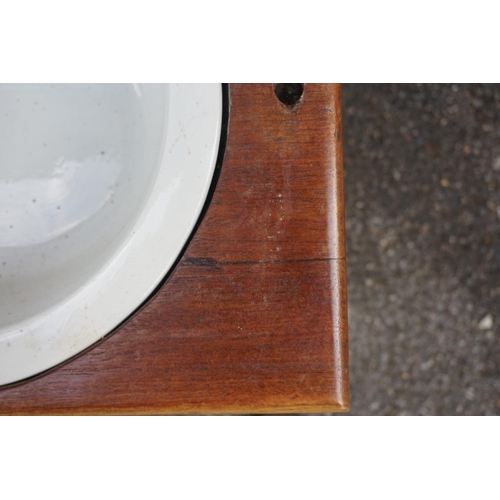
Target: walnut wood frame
253,317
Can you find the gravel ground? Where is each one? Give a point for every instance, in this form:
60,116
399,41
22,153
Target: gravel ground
422,189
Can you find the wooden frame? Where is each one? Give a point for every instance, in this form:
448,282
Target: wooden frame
253,317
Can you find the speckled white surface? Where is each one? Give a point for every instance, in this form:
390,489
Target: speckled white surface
100,187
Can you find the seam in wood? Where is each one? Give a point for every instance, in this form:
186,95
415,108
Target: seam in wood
213,262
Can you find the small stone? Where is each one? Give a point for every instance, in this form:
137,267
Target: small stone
445,183
427,365
486,323
496,163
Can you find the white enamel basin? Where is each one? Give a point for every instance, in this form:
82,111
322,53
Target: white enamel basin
100,188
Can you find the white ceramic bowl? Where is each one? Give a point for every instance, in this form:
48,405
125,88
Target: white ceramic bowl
100,188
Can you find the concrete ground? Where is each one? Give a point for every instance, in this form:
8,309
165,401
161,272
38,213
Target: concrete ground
422,190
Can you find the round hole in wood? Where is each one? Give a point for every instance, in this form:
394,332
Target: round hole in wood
289,93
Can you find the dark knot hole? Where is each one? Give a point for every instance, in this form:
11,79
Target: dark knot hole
289,93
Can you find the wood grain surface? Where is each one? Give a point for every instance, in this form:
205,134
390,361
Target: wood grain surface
253,318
